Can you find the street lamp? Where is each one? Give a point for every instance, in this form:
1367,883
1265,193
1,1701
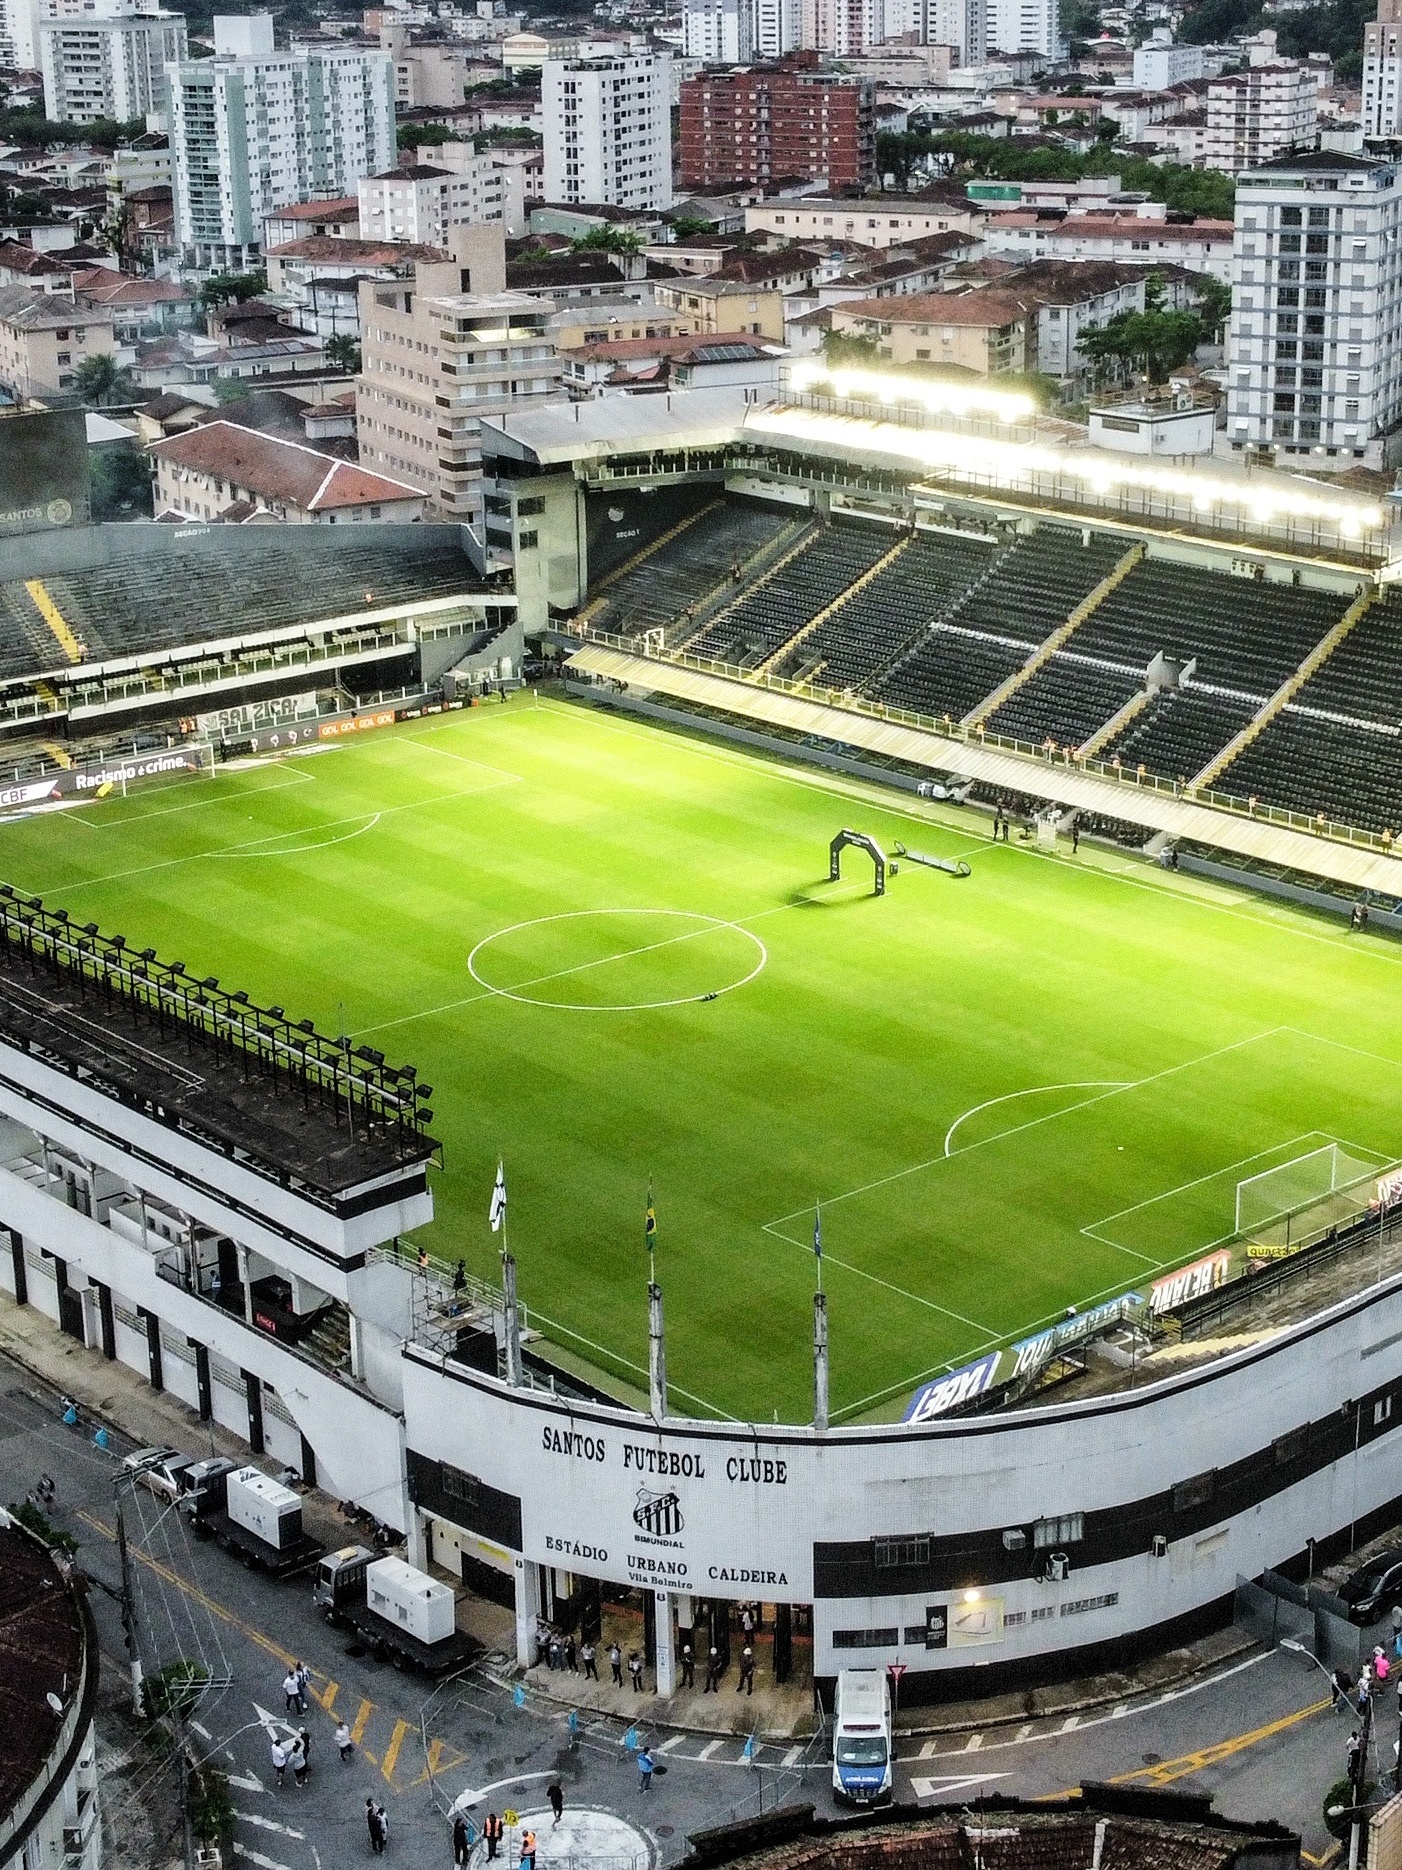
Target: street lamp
1358,1772
1296,1647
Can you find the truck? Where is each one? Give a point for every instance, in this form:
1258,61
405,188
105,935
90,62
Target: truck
257,1519
400,1613
861,1737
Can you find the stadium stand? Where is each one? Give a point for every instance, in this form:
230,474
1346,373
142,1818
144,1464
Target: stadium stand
1180,730
259,579
763,620
879,622
1363,677
1036,585
1310,763
949,670
1066,701
655,592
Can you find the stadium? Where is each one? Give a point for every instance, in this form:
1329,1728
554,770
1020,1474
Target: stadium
908,905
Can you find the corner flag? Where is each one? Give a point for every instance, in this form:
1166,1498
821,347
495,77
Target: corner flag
650,1222
497,1212
818,1230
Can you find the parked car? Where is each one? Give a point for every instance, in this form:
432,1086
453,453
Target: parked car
1372,1590
163,1470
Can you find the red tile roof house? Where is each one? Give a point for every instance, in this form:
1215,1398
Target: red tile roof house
220,471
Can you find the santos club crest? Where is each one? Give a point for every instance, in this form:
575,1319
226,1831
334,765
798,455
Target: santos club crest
658,1513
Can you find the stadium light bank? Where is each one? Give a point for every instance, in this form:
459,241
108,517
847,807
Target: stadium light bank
1005,463
953,399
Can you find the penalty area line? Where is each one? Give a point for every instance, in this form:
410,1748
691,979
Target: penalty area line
974,1324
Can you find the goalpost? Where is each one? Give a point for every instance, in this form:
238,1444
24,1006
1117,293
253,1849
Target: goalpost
1310,1193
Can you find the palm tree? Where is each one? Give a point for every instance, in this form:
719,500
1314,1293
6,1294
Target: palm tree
101,379
343,353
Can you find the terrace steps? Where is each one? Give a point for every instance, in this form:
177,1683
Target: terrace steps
801,636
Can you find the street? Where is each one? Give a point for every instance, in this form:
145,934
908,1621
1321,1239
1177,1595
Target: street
1258,1734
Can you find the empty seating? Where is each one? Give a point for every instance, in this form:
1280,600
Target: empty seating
949,671
656,592
778,607
1345,770
874,626
1036,585
1363,677
1243,634
1065,701
1178,733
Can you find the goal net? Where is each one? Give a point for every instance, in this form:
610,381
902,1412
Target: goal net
1308,1194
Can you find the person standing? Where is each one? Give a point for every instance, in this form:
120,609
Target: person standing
1075,836
304,1685
372,1825
616,1664
1353,1752
528,1848
382,1826
344,1744
554,1655
555,1792
635,1671
297,1760
688,1667
645,1764
591,1667
277,1752
747,1622
747,1671
305,1741
292,1694
571,1656
462,1839
491,1831
712,1672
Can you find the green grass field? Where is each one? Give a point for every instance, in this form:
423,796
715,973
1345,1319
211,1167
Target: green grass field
614,953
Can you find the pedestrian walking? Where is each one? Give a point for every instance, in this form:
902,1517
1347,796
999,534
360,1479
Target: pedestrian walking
382,1826
571,1656
528,1848
688,1667
372,1825
591,1667
292,1693
491,1831
645,1764
1353,1753
1075,835
555,1792
712,1672
1382,1668
747,1671
345,1746
1342,1684
616,1664
297,1760
47,1489
553,1654
462,1839
278,1754
304,1683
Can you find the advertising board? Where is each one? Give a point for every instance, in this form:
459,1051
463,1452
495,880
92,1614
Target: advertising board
43,471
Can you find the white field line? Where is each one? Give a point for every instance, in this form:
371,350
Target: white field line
1150,1201
1034,1090
830,1259
192,805
299,850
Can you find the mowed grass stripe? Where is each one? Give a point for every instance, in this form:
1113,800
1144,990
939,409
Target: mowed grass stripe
872,1028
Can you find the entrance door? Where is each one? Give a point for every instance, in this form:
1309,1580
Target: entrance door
70,1304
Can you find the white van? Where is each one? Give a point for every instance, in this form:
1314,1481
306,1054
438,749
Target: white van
861,1737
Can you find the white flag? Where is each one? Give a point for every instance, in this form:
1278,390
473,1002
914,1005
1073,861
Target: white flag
497,1214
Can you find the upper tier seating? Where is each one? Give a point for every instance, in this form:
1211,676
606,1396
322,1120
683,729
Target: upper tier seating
1363,677
1034,587
950,670
875,625
1351,773
1065,701
1244,634
654,593
763,620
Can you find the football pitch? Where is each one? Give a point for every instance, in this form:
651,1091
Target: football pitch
614,953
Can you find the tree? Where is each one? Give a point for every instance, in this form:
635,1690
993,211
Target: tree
687,226
220,288
1154,341
343,353
422,135
121,484
1214,304
231,390
101,379
621,240
843,347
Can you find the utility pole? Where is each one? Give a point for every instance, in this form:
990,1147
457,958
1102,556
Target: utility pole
1358,1778
128,1604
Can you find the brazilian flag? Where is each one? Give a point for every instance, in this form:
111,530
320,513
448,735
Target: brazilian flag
650,1222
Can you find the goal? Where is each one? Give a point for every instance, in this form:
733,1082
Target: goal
1310,1192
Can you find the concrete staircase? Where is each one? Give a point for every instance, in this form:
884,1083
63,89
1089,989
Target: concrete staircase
1287,691
828,610
53,616
1045,650
1118,721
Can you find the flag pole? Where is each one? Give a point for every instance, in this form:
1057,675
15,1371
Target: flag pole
820,1330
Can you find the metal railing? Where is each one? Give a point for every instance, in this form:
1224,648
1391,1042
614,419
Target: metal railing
947,728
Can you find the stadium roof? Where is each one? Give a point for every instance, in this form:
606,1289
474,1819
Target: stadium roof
619,425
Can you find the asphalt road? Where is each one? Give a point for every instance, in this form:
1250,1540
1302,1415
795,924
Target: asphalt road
1258,1735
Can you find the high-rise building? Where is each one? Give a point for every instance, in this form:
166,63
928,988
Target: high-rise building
608,130
420,201
439,352
841,27
1026,26
772,121
254,127
778,27
1257,115
1315,346
98,67
1382,68
718,32
962,24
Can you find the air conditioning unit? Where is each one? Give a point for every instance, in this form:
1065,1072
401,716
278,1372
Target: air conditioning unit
1014,1539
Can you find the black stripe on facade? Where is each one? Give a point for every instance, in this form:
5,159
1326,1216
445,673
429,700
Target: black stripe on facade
452,1494
961,1561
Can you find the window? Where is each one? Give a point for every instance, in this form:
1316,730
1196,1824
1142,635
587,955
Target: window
1382,1409
459,1486
865,1639
1066,1530
1290,243
1290,217
527,509
528,540
911,1549
1288,1448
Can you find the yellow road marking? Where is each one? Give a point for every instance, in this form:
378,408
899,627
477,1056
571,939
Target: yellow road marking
361,1721
396,1741
1167,1771
327,1696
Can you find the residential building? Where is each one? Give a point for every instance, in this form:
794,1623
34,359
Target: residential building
1161,64
608,130
221,471
420,201
432,74
319,278
989,331
597,321
891,221
1382,68
839,27
650,366
439,352
717,306
253,126
778,27
109,68
1315,344
769,121
307,220
718,32
962,24
1259,114
1026,26
1140,240
45,337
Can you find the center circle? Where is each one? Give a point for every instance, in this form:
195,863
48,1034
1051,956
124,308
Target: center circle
617,960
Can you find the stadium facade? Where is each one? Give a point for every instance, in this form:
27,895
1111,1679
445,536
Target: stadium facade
220,1198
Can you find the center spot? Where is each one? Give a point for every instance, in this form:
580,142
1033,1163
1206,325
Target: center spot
617,960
